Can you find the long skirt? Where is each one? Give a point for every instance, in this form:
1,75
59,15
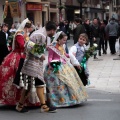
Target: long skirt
9,94
64,87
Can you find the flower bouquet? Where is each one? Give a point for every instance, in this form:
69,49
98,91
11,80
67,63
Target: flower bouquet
55,64
91,51
88,53
36,48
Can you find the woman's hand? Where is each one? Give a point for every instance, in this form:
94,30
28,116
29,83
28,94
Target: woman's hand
79,67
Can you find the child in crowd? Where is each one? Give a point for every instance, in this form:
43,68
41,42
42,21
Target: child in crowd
76,54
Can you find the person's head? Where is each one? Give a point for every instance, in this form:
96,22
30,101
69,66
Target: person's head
105,22
95,21
24,26
31,28
113,19
50,28
61,25
28,26
78,21
62,38
5,27
83,38
87,21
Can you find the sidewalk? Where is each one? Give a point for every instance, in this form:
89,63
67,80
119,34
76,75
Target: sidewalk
104,74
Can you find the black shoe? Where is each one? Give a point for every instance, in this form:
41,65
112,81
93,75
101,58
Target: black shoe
52,110
45,108
99,53
95,58
20,108
105,52
23,110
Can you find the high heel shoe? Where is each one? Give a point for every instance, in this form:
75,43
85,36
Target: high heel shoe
20,108
45,108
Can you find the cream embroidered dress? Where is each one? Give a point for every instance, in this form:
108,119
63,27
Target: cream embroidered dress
64,87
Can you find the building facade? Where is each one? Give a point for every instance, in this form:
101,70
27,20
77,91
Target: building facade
90,9
36,10
45,10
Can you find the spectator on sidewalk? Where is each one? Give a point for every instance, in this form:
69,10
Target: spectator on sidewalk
112,31
3,42
78,30
13,29
103,38
95,34
87,29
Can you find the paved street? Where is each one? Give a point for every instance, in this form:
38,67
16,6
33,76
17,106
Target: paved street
103,102
100,106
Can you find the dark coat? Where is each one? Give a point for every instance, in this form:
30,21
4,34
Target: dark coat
77,31
3,46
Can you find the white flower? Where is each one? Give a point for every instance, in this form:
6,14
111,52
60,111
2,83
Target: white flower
95,45
31,44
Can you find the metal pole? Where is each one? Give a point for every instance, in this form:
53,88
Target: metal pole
48,13
81,10
60,15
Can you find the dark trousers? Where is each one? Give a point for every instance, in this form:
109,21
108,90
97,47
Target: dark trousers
82,76
112,41
103,45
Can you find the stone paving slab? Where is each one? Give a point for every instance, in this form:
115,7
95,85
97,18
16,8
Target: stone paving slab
105,75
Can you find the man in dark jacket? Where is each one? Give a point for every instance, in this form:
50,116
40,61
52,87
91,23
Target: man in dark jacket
87,29
95,34
3,42
112,31
78,30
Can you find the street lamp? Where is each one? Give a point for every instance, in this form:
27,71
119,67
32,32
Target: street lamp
80,1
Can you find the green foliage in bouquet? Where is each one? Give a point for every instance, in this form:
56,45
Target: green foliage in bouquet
37,49
88,53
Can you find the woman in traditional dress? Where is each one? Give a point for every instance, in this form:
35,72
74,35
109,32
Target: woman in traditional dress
32,70
64,87
9,94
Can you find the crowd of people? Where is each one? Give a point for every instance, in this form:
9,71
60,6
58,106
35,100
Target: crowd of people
23,81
